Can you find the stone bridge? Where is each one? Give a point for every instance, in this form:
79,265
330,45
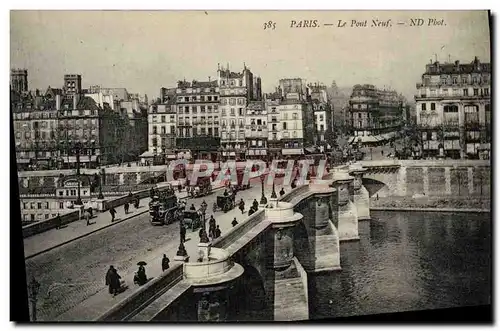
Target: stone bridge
429,177
259,269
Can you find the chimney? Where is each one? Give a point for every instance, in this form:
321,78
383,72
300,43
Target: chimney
58,102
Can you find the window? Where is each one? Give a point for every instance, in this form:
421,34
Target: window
424,107
232,112
295,125
464,80
321,117
224,101
209,98
25,205
466,92
294,116
154,142
284,126
46,216
476,92
433,106
216,132
359,115
241,101
322,127
163,118
285,116
232,101
240,111
154,130
202,109
474,80
46,205
61,205
163,130
455,80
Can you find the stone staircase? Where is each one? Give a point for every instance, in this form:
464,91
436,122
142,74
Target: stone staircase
290,303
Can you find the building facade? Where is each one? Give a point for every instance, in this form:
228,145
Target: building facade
453,106
162,129
292,135
376,114
256,130
236,90
19,80
35,131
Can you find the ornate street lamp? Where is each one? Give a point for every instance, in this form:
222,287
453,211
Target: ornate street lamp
77,149
182,249
263,199
204,237
33,288
100,196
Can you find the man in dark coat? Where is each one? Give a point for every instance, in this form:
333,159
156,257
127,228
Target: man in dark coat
152,192
242,206
217,232
165,263
112,211
113,281
255,204
58,222
282,192
192,207
125,207
234,222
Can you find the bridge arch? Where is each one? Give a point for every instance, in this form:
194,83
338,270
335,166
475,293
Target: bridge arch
373,186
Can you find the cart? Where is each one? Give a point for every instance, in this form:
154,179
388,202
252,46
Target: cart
192,219
224,203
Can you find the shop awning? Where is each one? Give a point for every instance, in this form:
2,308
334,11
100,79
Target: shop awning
83,159
292,151
147,154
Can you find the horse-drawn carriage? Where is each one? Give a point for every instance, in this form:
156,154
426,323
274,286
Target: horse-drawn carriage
224,203
163,208
203,187
192,219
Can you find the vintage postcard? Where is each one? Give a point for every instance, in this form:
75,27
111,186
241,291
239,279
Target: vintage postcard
217,166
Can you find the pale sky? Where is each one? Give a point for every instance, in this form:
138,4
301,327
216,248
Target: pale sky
143,51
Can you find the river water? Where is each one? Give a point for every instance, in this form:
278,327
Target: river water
408,261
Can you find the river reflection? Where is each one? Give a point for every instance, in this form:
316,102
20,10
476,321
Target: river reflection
408,261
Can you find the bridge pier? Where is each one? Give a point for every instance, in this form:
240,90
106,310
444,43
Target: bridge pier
320,250
285,289
361,196
212,281
347,214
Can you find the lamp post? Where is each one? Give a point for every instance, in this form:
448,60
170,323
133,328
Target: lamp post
204,237
263,199
182,249
33,289
100,196
77,150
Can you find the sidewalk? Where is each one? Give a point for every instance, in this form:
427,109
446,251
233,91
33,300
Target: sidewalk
47,240
101,302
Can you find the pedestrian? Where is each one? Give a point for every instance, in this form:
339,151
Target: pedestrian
90,210
382,152
179,187
255,204
294,184
192,207
282,192
113,281
234,222
217,232
86,215
165,263
136,202
112,211
225,193
242,206
251,211
126,206
58,221
183,233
